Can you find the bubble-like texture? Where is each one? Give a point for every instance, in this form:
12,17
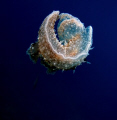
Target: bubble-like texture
72,47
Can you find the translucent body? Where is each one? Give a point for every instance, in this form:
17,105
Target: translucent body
72,47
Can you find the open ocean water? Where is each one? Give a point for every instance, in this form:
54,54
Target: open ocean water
27,92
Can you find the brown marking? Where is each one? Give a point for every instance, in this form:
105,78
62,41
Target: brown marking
74,52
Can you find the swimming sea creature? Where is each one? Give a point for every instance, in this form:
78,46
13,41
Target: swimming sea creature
67,52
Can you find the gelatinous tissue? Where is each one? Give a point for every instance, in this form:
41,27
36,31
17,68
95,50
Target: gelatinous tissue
68,50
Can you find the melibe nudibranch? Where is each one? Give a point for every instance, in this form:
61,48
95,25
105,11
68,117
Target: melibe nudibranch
67,52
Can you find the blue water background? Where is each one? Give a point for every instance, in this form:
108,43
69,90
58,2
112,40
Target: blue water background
89,94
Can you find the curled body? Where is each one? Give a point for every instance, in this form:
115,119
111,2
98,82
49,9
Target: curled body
67,51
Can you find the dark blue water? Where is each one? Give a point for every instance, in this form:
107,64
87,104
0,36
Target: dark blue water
89,94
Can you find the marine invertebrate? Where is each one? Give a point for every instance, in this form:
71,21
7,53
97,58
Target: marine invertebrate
69,50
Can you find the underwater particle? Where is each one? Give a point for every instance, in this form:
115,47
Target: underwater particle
69,51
